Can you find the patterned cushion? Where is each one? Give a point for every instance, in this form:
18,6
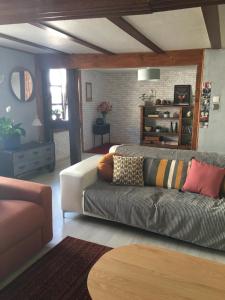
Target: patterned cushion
165,173
128,170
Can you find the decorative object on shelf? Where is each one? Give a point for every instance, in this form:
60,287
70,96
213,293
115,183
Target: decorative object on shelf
154,114
189,114
175,115
166,114
147,128
104,108
148,74
147,99
205,104
182,94
10,133
171,126
158,129
88,86
216,102
22,84
158,102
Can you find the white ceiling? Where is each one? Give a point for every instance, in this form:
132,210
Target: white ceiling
173,30
103,33
179,29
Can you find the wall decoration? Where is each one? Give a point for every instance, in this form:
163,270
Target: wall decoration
88,91
205,104
216,102
182,94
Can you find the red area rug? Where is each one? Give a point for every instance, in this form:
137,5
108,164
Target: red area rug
100,149
61,274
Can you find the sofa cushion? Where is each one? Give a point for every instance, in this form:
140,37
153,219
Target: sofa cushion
128,170
204,179
105,167
185,216
18,219
165,173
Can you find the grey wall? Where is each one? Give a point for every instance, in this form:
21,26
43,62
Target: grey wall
213,137
21,112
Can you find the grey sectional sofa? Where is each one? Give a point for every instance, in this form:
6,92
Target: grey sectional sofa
186,216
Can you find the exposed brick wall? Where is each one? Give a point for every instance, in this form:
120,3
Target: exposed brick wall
123,90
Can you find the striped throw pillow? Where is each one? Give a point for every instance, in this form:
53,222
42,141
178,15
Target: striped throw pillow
165,173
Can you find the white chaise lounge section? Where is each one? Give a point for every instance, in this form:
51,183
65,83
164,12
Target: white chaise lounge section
74,180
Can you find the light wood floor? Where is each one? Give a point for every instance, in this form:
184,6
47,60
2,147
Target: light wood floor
104,232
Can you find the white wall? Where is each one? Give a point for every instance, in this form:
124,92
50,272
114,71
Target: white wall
21,112
62,145
123,90
90,108
213,137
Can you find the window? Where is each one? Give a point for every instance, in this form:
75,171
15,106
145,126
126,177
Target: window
59,104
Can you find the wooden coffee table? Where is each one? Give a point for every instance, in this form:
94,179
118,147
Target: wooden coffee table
143,272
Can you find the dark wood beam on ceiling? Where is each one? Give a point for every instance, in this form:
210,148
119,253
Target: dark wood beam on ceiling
28,43
25,11
132,31
72,37
126,60
212,22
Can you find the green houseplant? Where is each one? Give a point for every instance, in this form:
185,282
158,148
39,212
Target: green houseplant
10,133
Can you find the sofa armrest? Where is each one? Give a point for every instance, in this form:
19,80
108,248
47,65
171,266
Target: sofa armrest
15,189
74,180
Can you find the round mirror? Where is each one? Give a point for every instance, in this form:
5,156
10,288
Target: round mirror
22,85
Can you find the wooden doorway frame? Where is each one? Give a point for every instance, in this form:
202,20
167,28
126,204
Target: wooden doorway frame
135,60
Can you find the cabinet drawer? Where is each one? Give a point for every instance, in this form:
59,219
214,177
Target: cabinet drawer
34,153
20,168
47,150
18,157
35,164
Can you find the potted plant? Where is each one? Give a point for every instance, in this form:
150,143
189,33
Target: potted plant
56,114
10,133
104,108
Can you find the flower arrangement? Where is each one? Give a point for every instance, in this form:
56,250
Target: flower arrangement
104,107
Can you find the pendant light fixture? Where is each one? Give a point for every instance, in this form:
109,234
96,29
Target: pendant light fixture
148,74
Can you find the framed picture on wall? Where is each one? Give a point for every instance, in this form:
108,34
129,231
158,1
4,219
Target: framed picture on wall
88,92
182,94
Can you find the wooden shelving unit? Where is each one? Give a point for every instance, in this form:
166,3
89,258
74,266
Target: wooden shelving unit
181,138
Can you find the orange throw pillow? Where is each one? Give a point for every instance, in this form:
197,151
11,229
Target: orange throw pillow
105,167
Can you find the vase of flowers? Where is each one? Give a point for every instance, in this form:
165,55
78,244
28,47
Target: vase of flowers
104,108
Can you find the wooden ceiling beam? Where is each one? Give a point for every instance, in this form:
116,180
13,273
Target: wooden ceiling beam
28,43
132,31
25,11
212,22
71,37
127,60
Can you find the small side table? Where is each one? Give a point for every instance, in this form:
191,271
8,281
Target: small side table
101,130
